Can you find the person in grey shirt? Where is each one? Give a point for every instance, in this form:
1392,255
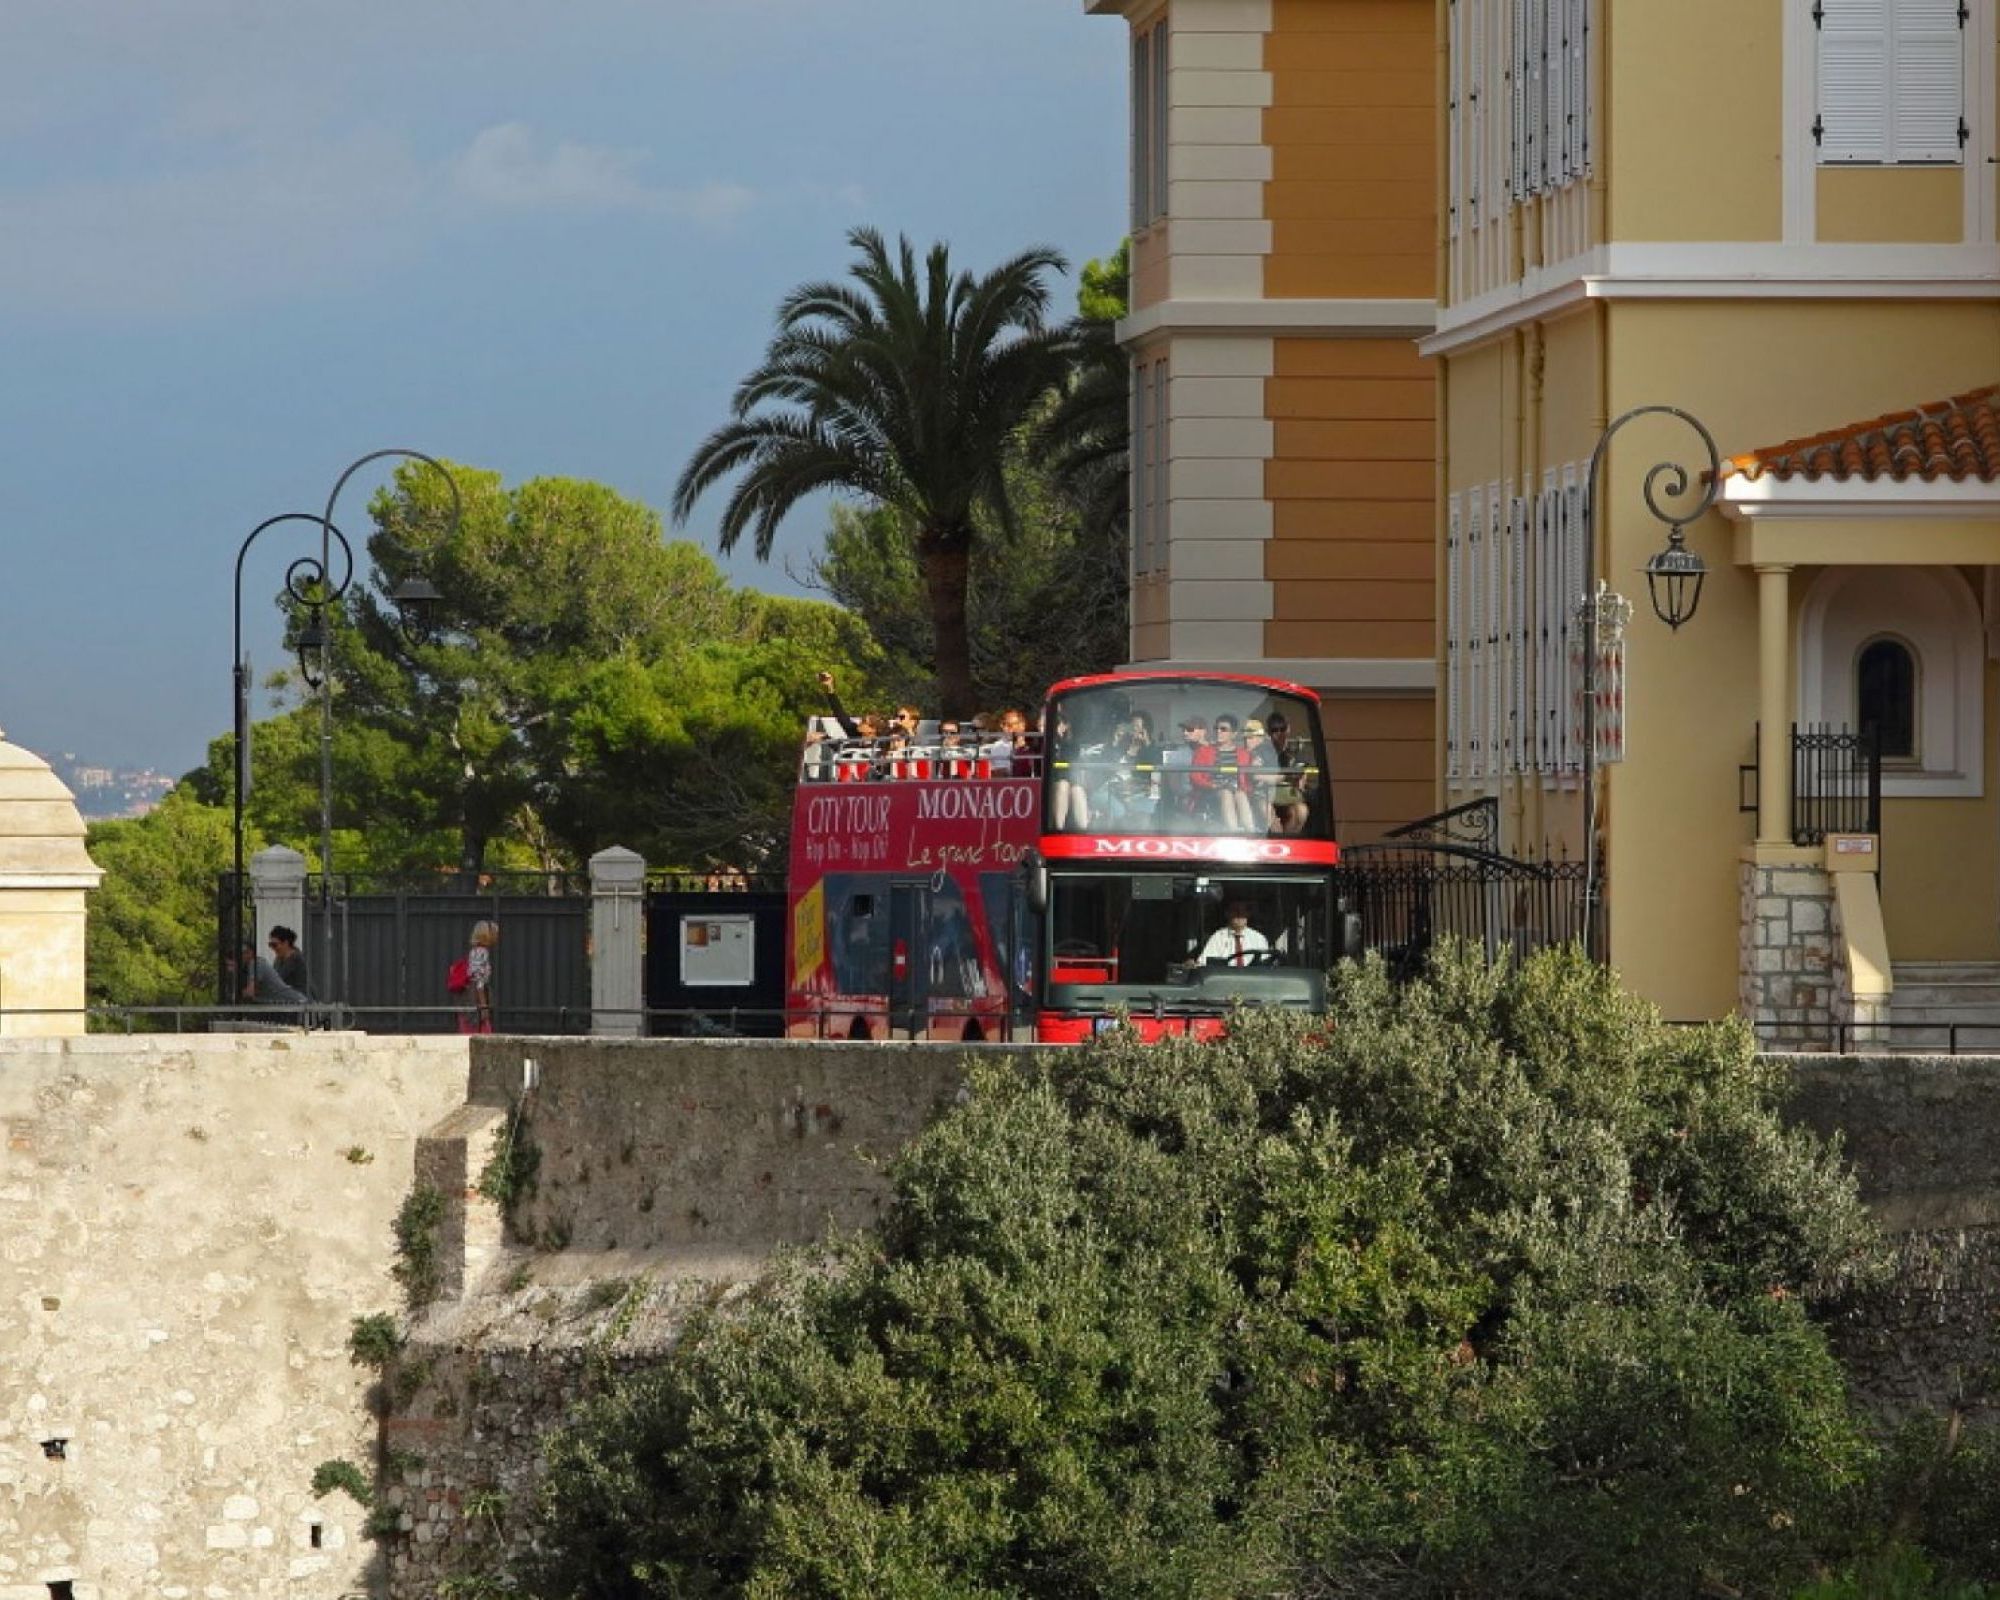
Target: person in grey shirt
289,961
262,984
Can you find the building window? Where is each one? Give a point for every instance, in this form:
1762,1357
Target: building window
1886,696
1891,83
1149,125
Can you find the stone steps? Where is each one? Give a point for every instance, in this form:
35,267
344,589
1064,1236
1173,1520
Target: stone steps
1932,998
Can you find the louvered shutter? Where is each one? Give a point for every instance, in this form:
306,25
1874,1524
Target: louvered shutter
1161,85
1475,112
1574,516
1454,638
1496,630
1547,581
1929,85
1517,97
1455,133
1475,645
1142,479
1854,79
1519,713
1558,42
1579,85
1538,96
1162,460
1142,128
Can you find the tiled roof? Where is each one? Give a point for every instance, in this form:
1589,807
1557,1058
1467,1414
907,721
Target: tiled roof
1957,439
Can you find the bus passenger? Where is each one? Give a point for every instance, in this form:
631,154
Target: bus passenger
1069,800
1027,747
1261,764
954,756
1189,797
1232,778
1288,802
1235,942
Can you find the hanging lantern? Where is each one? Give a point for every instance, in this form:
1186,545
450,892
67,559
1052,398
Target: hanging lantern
1674,578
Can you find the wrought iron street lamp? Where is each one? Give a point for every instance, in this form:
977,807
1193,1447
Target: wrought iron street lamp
307,581
408,591
1673,582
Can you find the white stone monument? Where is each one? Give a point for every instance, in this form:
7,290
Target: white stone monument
45,873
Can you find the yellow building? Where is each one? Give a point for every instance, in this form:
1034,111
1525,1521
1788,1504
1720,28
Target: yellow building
1779,217
1284,424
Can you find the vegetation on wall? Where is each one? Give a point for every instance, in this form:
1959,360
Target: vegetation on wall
1488,1286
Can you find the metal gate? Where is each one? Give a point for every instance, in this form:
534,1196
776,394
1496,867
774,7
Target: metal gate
381,952
1438,879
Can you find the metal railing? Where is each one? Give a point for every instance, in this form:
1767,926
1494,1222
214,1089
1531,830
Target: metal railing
1410,894
1836,782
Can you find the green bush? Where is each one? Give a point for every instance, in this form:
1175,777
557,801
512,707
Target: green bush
1490,1285
417,1267
374,1340
344,1475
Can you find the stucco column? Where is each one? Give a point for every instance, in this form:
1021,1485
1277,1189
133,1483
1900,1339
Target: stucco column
278,893
617,943
1774,706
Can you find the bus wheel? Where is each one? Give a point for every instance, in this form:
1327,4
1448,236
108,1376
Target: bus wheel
974,1034
860,1029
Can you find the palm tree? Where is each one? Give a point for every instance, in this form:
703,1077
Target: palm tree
906,387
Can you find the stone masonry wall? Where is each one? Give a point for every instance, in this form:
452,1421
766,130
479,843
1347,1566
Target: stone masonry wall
187,1227
1788,958
669,1170
1923,1133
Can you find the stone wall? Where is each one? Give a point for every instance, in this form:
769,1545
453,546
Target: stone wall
187,1228
1789,957
1923,1133
668,1171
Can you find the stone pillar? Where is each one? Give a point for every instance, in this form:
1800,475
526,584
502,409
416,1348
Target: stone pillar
1787,986
617,943
278,897
1774,706
45,875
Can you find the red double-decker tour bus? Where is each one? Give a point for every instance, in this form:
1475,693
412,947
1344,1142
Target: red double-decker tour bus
1163,849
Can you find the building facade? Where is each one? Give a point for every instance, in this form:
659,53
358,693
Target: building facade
1284,247
1779,218
1400,265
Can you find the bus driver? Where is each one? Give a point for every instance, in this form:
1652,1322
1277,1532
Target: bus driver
1235,942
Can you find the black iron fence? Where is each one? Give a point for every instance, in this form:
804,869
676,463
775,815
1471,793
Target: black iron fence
1411,893
1836,782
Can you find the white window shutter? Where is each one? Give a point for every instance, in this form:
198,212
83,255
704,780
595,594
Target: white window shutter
1475,112
1496,629
1537,111
1517,97
1455,117
1928,48
1454,637
1854,81
1559,93
1519,713
1574,515
1475,648
1545,628
1579,86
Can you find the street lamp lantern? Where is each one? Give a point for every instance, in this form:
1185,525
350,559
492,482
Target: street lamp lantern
311,647
414,592
1674,578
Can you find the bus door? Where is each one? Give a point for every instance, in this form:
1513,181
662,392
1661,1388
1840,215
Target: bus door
909,957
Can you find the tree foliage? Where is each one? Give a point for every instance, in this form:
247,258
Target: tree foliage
151,938
1489,1286
906,386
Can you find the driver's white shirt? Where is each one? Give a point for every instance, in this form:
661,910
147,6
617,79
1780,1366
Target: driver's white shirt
1226,944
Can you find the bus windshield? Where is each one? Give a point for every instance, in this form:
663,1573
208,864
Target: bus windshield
1140,938
1198,756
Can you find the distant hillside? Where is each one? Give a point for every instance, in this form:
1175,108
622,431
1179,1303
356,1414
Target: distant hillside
103,792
